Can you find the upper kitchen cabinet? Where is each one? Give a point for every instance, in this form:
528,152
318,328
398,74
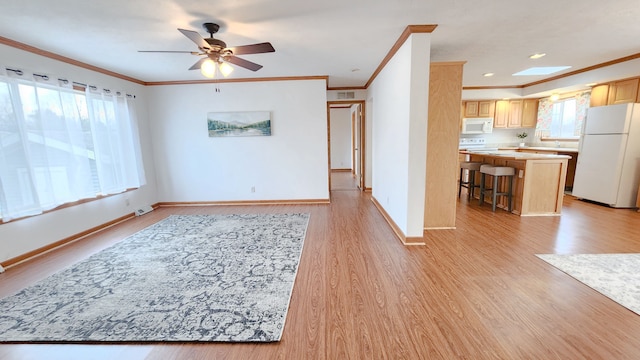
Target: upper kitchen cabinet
529,113
622,92
508,114
484,108
599,95
516,113
617,92
501,120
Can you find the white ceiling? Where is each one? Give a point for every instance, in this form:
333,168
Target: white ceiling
329,37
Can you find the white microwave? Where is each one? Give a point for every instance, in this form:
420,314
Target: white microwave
477,125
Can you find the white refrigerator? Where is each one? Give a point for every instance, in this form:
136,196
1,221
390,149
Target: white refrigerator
608,167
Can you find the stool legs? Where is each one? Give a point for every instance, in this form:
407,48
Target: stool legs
510,194
470,184
494,191
482,189
461,182
494,194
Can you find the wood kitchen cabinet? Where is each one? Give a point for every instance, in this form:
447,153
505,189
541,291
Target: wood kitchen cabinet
486,108
515,114
482,108
599,95
508,114
571,163
529,113
616,92
471,109
622,92
501,119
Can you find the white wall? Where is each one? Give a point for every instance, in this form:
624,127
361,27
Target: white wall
291,164
21,236
400,110
340,134
368,144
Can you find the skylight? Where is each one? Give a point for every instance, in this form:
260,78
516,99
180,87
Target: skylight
541,70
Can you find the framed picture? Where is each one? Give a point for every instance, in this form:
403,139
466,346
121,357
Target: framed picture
240,123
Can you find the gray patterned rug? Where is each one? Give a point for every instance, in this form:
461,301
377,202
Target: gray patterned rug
185,278
616,276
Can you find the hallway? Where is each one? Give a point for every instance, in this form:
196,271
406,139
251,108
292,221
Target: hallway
343,180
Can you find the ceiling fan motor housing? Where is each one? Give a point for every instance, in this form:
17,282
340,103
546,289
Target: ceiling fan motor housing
215,43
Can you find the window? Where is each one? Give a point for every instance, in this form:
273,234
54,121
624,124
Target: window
562,119
60,145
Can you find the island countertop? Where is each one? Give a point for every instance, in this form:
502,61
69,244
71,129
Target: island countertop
515,155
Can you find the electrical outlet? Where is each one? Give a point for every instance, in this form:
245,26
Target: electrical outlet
126,202
253,189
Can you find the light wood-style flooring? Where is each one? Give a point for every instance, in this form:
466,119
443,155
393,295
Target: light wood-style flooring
477,292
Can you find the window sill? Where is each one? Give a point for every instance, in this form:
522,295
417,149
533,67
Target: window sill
571,139
70,204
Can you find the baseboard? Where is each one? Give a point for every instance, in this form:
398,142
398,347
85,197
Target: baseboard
340,170
396,229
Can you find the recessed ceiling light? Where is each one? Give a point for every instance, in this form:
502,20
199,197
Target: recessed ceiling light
488,74
542,70
537,56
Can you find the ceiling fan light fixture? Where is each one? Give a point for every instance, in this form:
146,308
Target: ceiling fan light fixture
225,69
208,68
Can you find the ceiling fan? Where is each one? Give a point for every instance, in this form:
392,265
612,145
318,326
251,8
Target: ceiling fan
218,54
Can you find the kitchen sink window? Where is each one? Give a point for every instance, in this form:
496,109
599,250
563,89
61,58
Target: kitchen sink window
562,118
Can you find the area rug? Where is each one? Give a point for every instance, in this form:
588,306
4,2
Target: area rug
185,278
616,276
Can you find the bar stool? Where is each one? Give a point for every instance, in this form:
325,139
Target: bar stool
496,172
470,184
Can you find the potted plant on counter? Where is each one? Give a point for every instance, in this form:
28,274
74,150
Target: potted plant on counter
522,136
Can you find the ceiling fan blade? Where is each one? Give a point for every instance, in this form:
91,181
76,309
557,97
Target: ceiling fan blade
264,47
243,63
196,38
197,65
169,51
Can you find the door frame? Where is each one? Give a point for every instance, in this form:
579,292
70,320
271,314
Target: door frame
339,104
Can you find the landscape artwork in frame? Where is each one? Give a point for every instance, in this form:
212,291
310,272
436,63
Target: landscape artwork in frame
241,123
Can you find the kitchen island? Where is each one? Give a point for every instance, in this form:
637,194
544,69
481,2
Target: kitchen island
538,187
571,167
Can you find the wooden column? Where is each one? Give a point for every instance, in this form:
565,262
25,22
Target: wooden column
443,129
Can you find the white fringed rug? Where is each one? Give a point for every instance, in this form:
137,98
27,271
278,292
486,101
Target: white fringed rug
616,276
185,278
